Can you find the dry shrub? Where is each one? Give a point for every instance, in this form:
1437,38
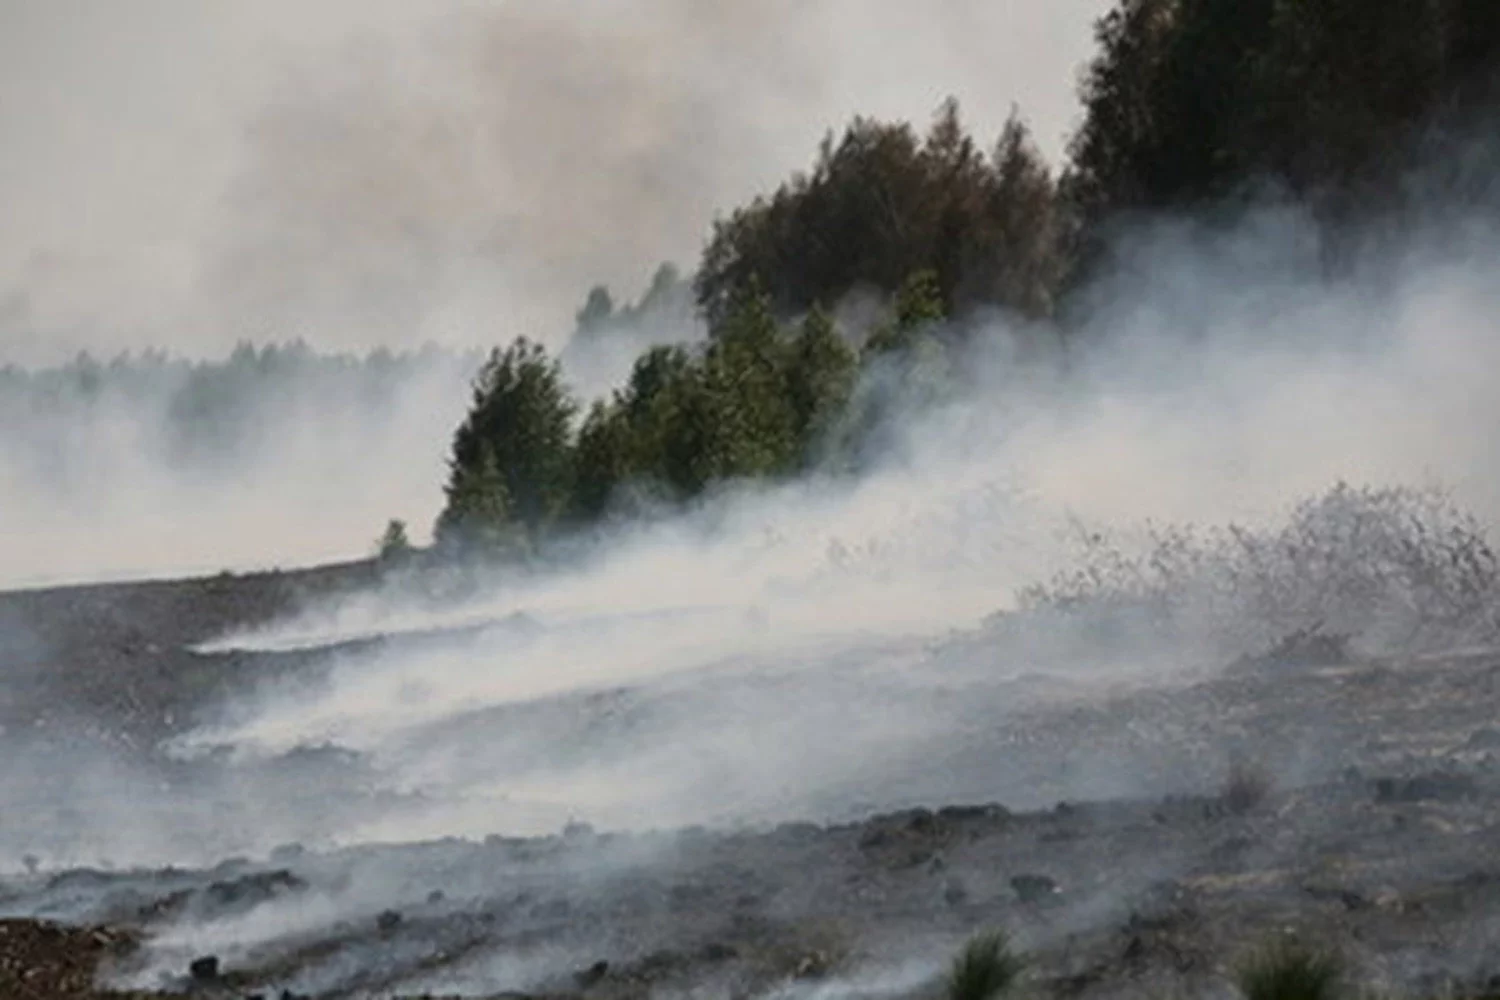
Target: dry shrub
1393,569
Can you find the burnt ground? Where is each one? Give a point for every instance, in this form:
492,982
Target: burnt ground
1384,844
119,653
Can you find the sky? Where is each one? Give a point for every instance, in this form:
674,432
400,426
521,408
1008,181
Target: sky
187,174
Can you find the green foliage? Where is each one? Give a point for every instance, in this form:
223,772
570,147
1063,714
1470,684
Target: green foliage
512,463
393,546
986,968
917,309
1287,970
747,386
478,517
906,365
605,458
756,400
1188,101
821,373
666,411
882,204
1187,104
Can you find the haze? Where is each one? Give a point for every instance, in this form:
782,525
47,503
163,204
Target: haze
185,175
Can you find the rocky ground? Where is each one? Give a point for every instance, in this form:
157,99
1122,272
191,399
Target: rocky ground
1356,804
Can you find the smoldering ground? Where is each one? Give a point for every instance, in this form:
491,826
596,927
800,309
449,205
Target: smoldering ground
831,605
824,650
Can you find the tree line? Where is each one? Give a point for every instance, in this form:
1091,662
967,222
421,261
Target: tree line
1189,105
204,412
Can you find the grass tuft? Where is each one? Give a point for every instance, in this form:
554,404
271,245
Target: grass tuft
1289,971
985,969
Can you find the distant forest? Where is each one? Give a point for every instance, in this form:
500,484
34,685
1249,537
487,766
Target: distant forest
201,414
1197,107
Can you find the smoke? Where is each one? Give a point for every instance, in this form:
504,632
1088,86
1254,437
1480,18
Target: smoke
358,174
821,648
827,648
150,467
153,465
812,649
395,173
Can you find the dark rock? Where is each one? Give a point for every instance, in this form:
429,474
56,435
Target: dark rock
815,965
252,890
1432,787
388,921
1033,888
718,952
660,965
972,814
593,974
1347,898
922,822
435,897
799,832
205,969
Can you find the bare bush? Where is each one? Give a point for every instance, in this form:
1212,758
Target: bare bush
1391,569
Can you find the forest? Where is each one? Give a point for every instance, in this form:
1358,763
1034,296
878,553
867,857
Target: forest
1356,111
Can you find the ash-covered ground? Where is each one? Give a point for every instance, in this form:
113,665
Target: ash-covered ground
186,815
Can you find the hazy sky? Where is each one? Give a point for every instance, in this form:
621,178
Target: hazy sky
185,173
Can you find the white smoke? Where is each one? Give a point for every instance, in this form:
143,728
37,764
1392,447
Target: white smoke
154,468
365,173
785,651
